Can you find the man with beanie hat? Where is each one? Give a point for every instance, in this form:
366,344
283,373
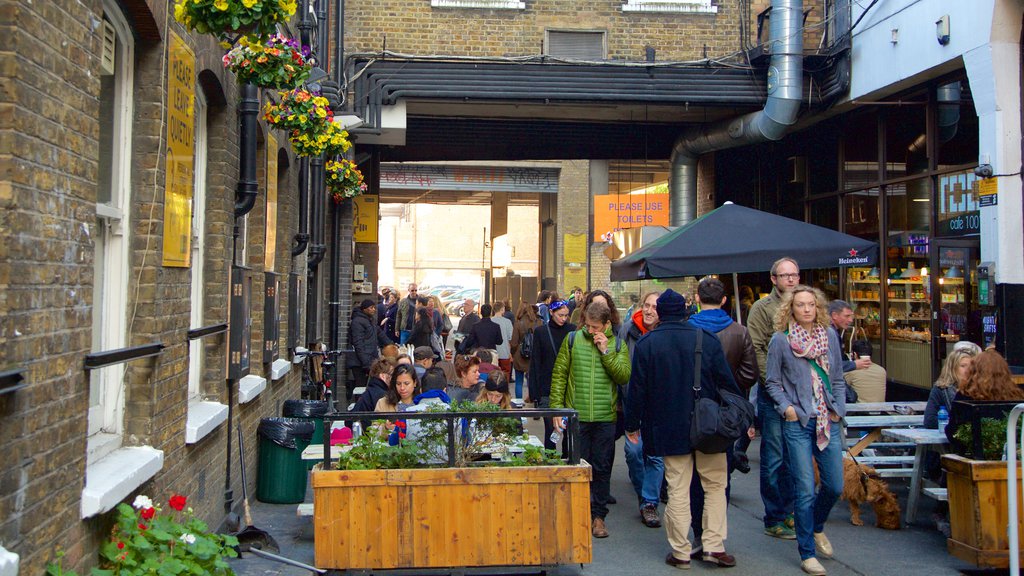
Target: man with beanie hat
366,338
423,359
660,404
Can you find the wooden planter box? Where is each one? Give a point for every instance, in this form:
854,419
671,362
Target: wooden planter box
452,517
978,511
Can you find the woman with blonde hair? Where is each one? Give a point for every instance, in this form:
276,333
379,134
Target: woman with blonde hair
805,379
953,375
988,378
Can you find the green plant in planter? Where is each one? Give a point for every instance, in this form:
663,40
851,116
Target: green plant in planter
227,18
371,453
993,437
277,63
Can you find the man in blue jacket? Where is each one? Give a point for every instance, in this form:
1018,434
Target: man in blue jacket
660,404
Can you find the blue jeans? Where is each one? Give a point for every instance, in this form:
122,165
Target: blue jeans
403,337
646,472
520,376
776,488
812,510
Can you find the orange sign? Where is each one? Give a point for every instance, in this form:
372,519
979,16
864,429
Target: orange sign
620,211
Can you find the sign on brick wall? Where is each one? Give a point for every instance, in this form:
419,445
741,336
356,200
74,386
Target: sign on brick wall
181,74
365,215
621,211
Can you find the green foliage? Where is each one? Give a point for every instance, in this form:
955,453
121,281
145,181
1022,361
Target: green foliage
993,437
371,453
147,541
277,63
56,568
535,456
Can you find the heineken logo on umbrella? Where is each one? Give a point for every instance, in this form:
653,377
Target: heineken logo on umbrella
853,258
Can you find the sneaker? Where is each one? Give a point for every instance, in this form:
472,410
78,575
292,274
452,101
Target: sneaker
742,463
722,559
598,529
676,562
649,516
782,531
813,567
822,545
790,522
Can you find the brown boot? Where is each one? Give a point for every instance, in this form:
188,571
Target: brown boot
598,528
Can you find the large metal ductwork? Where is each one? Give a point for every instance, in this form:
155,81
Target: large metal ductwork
785,81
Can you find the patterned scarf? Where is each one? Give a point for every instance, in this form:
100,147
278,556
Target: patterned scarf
813,346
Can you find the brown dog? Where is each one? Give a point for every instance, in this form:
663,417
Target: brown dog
862,484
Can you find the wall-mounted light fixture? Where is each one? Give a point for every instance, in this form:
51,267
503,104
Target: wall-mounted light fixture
942,30
895,35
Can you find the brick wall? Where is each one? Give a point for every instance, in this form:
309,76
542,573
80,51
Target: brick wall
49,140
573,213
413,27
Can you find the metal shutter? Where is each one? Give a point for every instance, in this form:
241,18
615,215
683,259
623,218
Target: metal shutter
575,44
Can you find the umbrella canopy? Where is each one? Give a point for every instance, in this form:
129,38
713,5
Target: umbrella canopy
733,239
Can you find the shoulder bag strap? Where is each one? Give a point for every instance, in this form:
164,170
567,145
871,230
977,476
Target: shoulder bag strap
822,374
697,353
551,339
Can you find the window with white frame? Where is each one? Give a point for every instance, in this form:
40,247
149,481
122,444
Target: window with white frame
111,263
195,352
680,6
492,4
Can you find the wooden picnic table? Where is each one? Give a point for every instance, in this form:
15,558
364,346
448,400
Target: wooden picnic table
924,439
899,407
877,423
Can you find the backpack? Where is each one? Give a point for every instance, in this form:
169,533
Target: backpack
526,348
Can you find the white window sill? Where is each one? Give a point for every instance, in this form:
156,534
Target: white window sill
250,387
279,368
8,563
112,478
676,6
492,4
203,418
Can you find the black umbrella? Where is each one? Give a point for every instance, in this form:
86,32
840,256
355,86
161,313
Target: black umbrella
734,239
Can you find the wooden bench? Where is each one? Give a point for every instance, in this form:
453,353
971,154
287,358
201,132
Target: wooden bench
305,509
886,460
936,493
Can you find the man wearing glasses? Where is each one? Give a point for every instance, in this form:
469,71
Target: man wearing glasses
407,315
776,488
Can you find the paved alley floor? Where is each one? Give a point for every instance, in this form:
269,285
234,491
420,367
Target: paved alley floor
632,548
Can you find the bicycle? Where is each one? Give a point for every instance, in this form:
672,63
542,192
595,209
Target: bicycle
315,383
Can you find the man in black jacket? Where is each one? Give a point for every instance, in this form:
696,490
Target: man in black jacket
660,403
367,339
484,334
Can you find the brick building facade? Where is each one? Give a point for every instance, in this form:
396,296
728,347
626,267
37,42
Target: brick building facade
85,112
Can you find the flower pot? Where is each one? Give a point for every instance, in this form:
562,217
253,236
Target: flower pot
978,511
444,517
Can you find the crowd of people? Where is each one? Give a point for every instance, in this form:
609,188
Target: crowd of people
640,375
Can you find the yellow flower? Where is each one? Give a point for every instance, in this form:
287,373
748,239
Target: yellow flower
179,11
221,5
248,3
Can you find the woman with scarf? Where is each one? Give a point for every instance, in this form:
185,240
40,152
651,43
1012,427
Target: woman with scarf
547,341
805,379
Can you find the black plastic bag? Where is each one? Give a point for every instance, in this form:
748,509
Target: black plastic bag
304,409
284,431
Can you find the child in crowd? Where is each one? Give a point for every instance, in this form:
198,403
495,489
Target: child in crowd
495,391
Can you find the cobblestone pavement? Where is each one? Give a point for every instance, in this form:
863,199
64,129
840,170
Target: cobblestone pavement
633,548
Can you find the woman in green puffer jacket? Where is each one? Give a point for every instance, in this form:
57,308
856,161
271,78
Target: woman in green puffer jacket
592,363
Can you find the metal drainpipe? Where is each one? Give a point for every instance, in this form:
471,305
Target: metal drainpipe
248,188
785,81
316,248
302,237
341,252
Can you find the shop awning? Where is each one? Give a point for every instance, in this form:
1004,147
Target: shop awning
735,239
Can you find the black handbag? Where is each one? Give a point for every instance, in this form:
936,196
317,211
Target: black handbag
714,426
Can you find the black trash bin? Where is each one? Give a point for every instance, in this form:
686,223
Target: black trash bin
281,474
312,410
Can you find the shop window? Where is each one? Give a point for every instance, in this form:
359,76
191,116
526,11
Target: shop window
909,206
111,264
864,284
860,151
958,208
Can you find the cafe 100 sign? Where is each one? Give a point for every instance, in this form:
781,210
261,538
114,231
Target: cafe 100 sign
962,224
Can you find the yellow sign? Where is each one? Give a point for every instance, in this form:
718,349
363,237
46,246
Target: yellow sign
574,248
573,276
620,211
365,213
180,173
988,187
270,246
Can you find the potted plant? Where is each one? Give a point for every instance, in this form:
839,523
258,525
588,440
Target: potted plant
226,19
308,120
442,516
344,180
277,63
977,490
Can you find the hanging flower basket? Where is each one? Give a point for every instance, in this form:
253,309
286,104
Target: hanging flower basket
307,118
229,18
344,180
277,63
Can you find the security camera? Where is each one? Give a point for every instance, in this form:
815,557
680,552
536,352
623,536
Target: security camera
983,171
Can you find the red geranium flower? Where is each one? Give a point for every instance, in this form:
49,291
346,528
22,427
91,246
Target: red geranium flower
147,513
401,435
177,502
143,526
120,545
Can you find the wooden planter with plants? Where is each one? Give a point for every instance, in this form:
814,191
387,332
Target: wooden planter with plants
977,490
467,515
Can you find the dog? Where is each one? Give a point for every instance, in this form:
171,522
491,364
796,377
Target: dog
862,484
